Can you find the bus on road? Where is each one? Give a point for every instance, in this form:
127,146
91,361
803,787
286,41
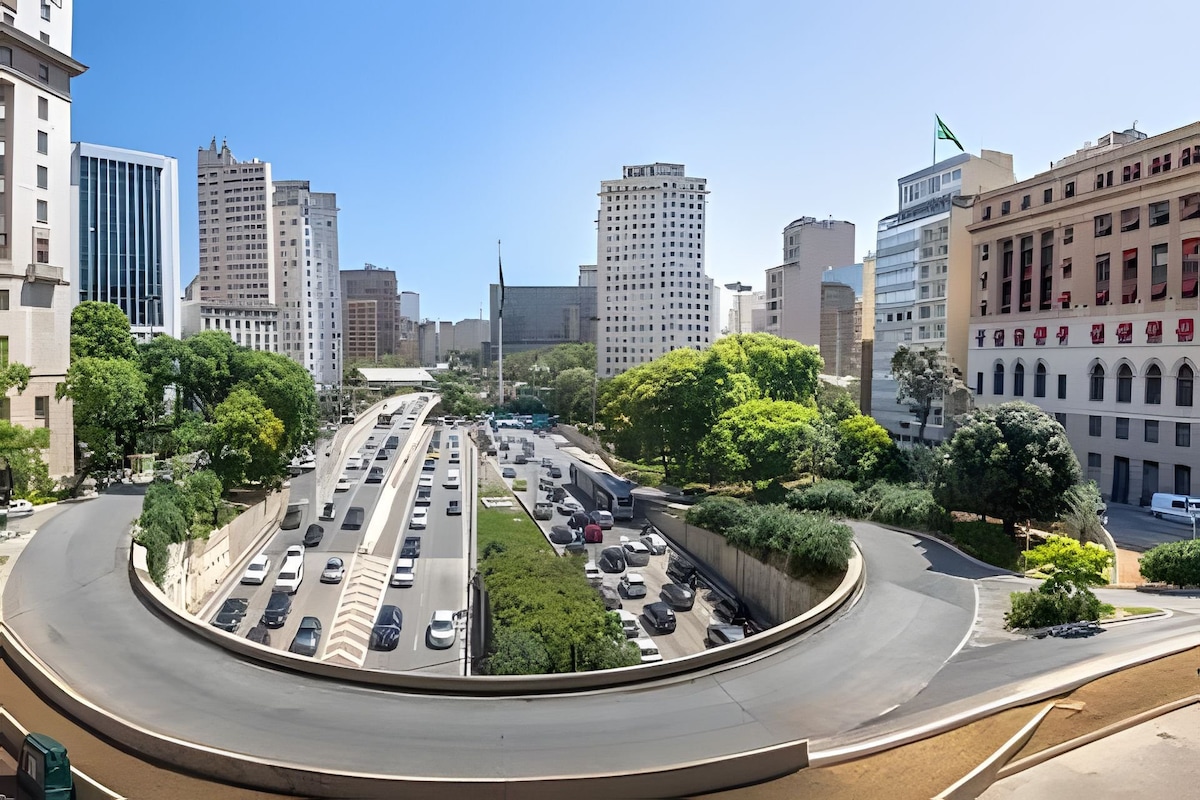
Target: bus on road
607,491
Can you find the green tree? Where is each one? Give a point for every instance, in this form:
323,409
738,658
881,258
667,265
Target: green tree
781,368
251,438
1070,566
518,652
286,388
206,369
573,394
1012,461
921,379
758,440
204,487
865,450
835,402
14,376
110,407
1174,563
22,448
101,330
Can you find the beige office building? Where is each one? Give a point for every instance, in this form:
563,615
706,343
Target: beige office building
1084,302
793,289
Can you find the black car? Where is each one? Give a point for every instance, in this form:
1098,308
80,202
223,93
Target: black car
555,472
412,547
308,637
720,633
354,519
385,635
375,475
576,545
291,520
329,511
680,570
259,635
229,616
578,520
278,608
313,536
660,616
728,610
612,560
382,455
678,596
561,534
392,442
612,600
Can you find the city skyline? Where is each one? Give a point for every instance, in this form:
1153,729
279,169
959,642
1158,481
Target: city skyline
506,125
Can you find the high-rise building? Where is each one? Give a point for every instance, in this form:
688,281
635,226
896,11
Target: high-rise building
371,304
922,277
410,305
542,316
126,233
37,264
307,285
653,293
237,240
1084,299
793,288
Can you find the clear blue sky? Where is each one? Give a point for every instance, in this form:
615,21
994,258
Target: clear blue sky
445,126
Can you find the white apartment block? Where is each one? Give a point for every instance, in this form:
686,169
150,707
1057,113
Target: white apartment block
652,295
36,295
237,246
308,286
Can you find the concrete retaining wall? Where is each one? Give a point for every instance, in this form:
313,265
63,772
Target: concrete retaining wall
768,591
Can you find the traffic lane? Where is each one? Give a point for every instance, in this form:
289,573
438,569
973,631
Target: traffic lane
399,513
437,585
1135,528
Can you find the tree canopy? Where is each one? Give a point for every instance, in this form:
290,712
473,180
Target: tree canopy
1011,461
251,440
759,439
101,330
110,406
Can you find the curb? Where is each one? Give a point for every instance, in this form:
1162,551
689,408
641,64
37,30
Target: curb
948,545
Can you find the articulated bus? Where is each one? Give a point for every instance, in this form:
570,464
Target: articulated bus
609,492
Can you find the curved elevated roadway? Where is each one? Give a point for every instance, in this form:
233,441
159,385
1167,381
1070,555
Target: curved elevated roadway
70,600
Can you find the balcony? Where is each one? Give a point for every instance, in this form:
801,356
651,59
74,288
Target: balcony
45,273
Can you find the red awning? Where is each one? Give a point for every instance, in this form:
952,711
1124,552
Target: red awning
1102,297
1158,290
1065,297
1189,284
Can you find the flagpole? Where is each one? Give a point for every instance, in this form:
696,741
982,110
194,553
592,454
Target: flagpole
500,331
935,137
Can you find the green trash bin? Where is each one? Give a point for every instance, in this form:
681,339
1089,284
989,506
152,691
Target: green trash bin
44,770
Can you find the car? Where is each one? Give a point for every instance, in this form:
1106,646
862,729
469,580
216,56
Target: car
602,518
424,495
404,573
555,472
385,633
592,533
520,458
375,475
629,624
453,508
680,570
429,465
354,518
411,548
547,463
382,455
420,518
335,570
569,506
720,633
612,600
259,634
257,569
649,650
392,442
307,638
370,445
636,553
543,510
504,445
576,545
18,507
660,616
508,472
612,560
328,512
593,574
442,633
343,484
231,613
313,536
632,585
353,463
728,610
656,544
561,534
678,596
278,608
579,521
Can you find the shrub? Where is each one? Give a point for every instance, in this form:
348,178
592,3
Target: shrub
720,514
1175,563
988,542
905,507
771,491
1039,609
836,497
817,544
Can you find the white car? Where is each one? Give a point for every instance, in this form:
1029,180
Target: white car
405,572
568,507
649,650
257,569
344,483
19,507
441,630
420,518
425,480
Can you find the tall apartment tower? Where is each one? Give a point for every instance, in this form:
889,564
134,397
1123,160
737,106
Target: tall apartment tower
237,241
653,295
307,284
810,246
36,261
126,234
371,308
922,278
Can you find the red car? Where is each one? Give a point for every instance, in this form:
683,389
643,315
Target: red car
592,534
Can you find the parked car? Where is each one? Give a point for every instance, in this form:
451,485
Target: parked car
231,613
259,634
429,465
313,536
636,553
405,572
520,458
424,495
307,638
354,518
425,480
375,475
543,510
411,548
678,596
432,452
728,610
335,570
561,534
343,484
382,455
547,463
420,518
555,472
508,472
569,506
291,571
612,560
278,608
441,633
19,507
328,512
612,600
680,570
655,543
257,569
649,650
632,585
385,634
557,494
453,507
629,624
592,534
593,574
578,521
576,545
660,616
602,518
720,633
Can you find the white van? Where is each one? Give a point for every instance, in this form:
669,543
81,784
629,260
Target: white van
291,572
649,650
1177,507
451,481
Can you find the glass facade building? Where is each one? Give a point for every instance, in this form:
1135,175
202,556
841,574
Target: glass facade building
543,316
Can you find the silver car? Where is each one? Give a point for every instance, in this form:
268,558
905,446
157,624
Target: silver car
335,570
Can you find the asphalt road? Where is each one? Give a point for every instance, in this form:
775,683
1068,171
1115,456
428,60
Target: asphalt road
1134,528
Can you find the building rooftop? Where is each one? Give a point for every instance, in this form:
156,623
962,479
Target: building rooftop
395,375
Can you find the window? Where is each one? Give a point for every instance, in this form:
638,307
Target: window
1131,219
1129,265
1062,387
1183,386
1070,190
1122,427
1095,425
42,248
41,408
1183,434
43,108
43,142
1189,206
1160,213
1103,225
43,73
1158,272
1019,380
1096,383
1025,202
1151,431
998,380
987,212
1005,207
6,56
3,299
1039,380
43,211
1124,384
3,352
1153,385
43,177
1183,479
978,383
46,10
1060,418
1068,234
1047,195
1102,275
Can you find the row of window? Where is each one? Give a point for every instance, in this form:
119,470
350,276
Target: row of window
1150,430
1152,383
